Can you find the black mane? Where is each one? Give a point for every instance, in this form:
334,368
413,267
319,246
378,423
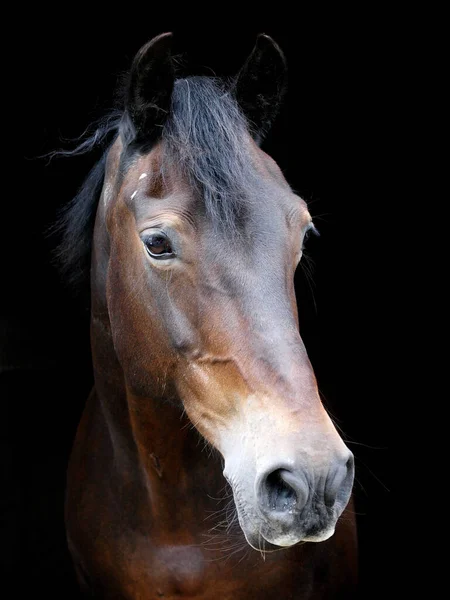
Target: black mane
205,137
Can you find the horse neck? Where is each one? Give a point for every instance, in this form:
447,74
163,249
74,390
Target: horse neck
153,440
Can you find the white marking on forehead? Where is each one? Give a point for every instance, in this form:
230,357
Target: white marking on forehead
106,193
133,194
142,176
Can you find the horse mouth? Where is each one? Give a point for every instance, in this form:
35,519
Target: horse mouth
261,536
268,540
265,536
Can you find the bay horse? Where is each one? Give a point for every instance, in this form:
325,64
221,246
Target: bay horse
204,465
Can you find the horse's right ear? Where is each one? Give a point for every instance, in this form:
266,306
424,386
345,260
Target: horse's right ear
150,88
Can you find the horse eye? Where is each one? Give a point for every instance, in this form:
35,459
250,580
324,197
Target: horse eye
311,230
158,246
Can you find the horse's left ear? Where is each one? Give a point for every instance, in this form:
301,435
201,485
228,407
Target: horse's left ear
260,85
150,88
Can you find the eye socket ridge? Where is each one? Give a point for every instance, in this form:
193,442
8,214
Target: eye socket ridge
158,245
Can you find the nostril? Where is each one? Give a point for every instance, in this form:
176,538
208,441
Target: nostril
350,464
280,495
339,483
347,484
281,491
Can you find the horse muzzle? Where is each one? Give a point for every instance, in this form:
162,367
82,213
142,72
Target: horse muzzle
290,504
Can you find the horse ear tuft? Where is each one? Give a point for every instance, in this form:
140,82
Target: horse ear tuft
150,88
260,85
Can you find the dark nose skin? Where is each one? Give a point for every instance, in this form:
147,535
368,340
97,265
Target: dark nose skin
283,491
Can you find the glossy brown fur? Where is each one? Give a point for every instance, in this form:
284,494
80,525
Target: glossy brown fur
146,501
142,496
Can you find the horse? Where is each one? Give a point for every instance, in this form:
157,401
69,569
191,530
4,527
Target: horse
205,464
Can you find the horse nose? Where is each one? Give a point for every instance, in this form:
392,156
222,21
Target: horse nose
282,491
339,482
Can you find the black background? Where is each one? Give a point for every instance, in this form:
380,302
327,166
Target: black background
328,142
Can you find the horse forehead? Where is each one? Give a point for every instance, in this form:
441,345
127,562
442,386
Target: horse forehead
267,199
146,167
154,164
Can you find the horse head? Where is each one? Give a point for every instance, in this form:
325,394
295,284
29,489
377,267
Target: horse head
197,239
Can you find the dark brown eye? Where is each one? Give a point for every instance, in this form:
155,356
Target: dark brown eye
158,246
311,229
